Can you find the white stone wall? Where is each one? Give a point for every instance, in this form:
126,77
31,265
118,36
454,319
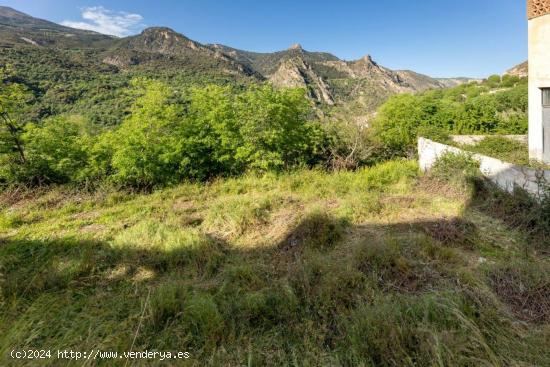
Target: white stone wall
506,175
539,77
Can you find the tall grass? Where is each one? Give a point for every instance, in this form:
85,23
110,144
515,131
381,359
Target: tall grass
305,268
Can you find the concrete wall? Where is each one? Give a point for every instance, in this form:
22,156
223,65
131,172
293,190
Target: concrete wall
506,175
539,77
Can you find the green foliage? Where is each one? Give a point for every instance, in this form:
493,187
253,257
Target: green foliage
502,148
223,131
168,137
519,210
492,107
13,101
350,146
494,81
457,170
56,150
76,80
275,130
143,145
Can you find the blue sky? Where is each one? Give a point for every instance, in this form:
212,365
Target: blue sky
441,38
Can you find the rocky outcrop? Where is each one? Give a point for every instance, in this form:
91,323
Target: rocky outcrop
367,69
162,41
296,46
296,72
521,70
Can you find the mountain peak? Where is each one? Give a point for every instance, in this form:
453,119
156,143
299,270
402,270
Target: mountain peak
162,40
163,31
7,11
368,59
296,46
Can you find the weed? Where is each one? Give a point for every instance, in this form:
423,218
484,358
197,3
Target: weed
298,268
525,287
317,230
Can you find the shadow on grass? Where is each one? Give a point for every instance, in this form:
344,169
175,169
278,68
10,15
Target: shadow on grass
381,300
519,211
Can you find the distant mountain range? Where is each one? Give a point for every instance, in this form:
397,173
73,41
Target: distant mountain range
360,85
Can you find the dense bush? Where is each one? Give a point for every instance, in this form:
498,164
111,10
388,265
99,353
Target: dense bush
496,106
169,134
168,137
505,149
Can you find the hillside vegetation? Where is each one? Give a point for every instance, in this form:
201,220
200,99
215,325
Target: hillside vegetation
157,194
197,133
374,267
498,105
86,73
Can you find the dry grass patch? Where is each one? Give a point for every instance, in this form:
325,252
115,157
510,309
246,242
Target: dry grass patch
524,286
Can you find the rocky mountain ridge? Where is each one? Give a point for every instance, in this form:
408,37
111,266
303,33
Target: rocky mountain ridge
360,86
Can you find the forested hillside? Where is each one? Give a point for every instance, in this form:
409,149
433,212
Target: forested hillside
83,72
159,135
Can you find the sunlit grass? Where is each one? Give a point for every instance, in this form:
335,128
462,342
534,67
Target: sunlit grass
372,267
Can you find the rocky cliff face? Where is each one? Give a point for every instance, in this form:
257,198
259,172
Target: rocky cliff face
521,70
164,41
19,28
358,87
297,73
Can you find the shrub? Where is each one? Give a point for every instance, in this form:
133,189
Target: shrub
459,170
519,210
467,109
351,146
502,148
144,145
166,138
318,231
55,152
222,132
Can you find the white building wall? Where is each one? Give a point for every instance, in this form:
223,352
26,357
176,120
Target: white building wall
539,77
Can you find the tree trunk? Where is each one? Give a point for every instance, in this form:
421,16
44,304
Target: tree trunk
13,132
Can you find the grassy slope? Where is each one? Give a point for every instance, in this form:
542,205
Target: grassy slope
307,268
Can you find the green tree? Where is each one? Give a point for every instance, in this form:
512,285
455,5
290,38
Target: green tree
494,81
13,99
227,131
210,133
276,129
57,150
467,109
144,146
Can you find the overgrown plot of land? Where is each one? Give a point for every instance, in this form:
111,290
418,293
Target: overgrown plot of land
374,267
